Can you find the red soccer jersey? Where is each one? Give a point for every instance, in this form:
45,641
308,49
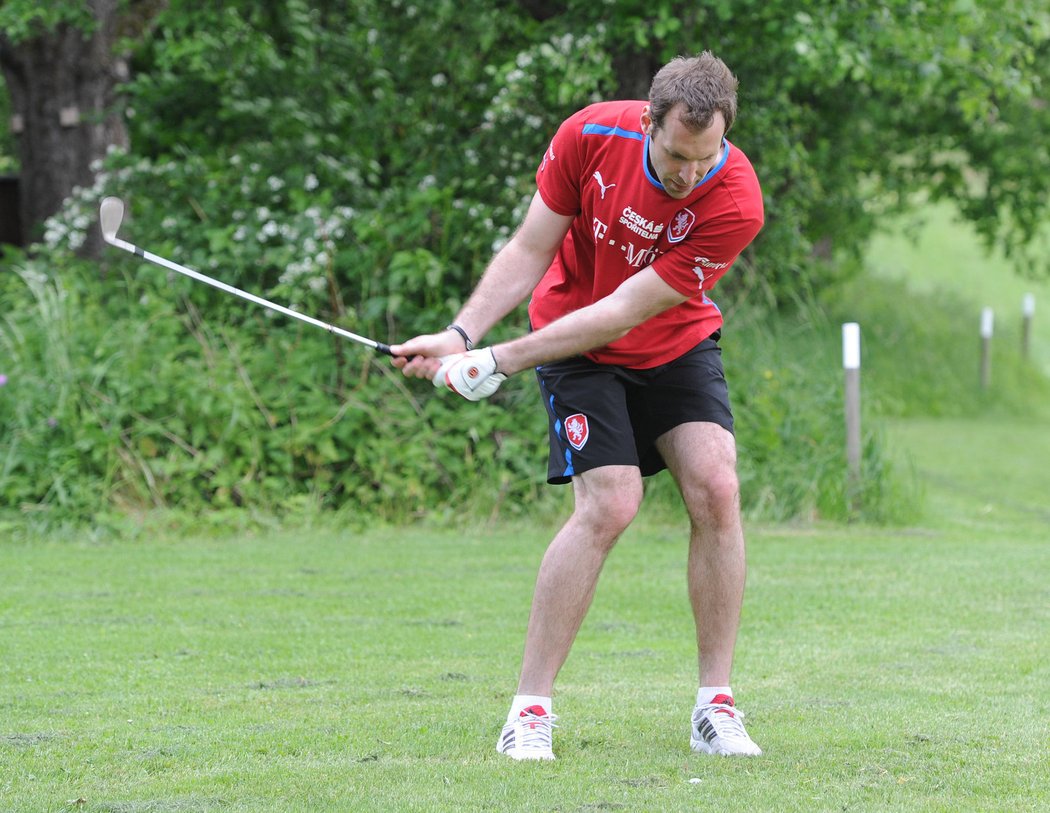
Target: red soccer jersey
596,169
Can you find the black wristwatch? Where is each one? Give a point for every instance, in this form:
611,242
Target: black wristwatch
463,335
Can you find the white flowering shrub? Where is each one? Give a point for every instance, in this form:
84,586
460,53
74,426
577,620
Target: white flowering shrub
306,173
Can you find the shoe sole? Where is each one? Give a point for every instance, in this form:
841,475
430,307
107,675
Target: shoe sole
525,756
702,747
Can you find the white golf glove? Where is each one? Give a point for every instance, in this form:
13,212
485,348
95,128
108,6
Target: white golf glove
472,375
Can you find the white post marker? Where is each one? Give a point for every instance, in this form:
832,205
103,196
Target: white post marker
987,328
851,366
1027,312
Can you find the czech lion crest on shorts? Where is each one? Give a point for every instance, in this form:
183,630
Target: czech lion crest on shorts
577,430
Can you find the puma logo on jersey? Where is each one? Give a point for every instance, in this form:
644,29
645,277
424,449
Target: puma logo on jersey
602,184
547,156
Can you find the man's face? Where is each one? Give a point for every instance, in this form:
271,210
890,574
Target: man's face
682,156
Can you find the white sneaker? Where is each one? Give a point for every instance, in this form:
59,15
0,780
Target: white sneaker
718,728
529,736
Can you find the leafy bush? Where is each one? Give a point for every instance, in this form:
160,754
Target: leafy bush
329,156
128,393
120,398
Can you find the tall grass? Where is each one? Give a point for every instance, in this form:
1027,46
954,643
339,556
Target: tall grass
39,404
921,355
123,397
791,424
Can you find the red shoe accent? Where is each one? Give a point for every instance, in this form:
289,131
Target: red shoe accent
538,711
723,700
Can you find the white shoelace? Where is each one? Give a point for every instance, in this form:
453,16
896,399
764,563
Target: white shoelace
727,721
537,730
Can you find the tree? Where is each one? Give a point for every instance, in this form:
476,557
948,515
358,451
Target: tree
361,159
854,110
850,110
61,67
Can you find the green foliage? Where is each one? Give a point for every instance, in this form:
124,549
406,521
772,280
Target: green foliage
129,392
138,390
127,396
279,180
358,153
330,156
21,20
847,109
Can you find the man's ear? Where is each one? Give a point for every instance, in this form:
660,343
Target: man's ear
646,121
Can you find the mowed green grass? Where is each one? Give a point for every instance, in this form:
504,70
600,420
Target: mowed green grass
326,669
320,669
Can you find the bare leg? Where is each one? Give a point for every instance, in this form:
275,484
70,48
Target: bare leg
702,458
607,499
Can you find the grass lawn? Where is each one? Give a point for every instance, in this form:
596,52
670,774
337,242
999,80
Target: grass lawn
318,669
935,251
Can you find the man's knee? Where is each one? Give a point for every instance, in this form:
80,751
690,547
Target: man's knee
713,497
609,504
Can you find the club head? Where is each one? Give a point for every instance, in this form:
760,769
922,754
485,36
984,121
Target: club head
110,213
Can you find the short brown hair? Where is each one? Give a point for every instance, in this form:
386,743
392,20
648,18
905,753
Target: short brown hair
701,84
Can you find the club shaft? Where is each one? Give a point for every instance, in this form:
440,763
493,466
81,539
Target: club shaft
258,300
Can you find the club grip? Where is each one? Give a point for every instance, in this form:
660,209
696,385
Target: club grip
385,348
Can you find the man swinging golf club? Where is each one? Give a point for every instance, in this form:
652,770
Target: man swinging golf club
641,207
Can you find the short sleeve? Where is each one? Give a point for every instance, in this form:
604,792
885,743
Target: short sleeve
710,250
558,176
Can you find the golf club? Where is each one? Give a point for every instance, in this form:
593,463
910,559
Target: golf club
111,213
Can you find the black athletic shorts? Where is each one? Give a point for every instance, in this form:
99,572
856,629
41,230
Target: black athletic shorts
604,415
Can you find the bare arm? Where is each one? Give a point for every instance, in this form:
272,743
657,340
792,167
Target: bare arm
637,299
509,279
516,270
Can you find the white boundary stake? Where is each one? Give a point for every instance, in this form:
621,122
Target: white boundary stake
1027,312
851,367
987,328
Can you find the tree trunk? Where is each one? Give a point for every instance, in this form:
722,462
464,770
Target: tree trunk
62,87
634,71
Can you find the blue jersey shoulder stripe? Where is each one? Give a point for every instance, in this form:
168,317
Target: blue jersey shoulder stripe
601,129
